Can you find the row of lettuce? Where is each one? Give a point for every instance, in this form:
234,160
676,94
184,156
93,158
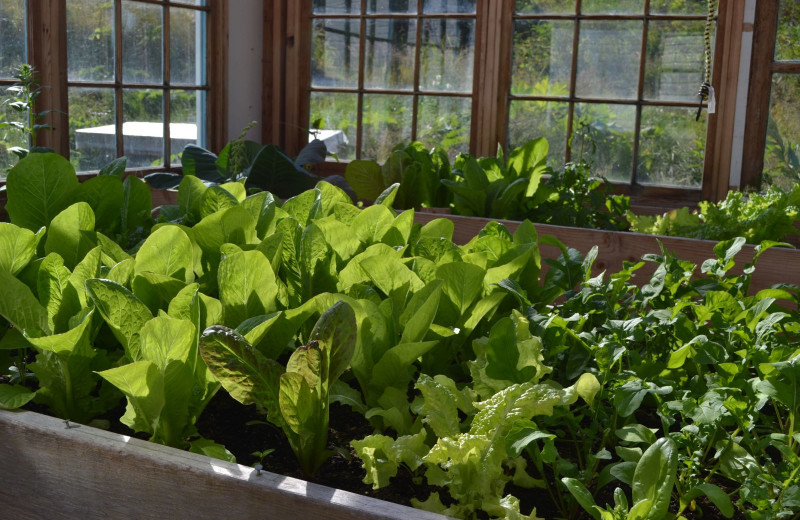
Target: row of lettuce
523,185
483,375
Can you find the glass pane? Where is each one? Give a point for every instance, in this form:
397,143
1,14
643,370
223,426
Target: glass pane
782,154
533,119
444,122
542,58
386,123
186,45
185,114
12,36
9,136
90,41
674,62
449,6
603,136
336,116
679,6
787,46
608,59
671,147
334,53
447,55
612,7
143,127
141,43
391,6
337,6
545,6
92,135
389,60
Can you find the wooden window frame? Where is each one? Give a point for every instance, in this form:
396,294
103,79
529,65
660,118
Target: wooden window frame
47,52
287,79
763,66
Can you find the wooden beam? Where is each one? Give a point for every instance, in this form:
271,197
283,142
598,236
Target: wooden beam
47,50
217,73
755,135
67,471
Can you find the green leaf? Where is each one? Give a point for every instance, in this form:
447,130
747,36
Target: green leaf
247,286
136,205
463,283
582,496
39,187
654,477
441,404
167,251
104,195
244,372
418,315
20,307
529,161
717,496
366,179
142,382
210,448
190,194
15,396
17,247
215,199
56,294
165,339
274,171
65,235
115,168
124,313
234,225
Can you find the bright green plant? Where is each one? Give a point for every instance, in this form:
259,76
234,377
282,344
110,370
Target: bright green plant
296,399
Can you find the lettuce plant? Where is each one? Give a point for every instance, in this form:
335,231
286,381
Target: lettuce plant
297,397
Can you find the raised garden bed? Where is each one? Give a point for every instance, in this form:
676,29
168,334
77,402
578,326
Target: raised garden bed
57,470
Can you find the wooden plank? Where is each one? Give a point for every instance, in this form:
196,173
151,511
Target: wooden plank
777,265
755,134
217,73
63,472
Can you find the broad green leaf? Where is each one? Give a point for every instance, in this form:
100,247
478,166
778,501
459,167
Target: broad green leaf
463,283
190,193
136,205
304,207
441,404
418,315
255,329
366,179
215,199
156,290
247,286
336,332
65,237
20,307
234,225
56,294
15,396
530,161
438,228
17,247
167,251
236,189
245,373
274,171
387,196
390,275
373,451
522,435
39,187
142,382
104,194
165,339
65,342
373,223
340,238
330,196
124,313
654,477
396,368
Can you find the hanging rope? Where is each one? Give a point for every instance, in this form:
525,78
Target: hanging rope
706,90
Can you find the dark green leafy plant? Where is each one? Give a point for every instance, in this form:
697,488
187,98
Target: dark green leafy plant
22,100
